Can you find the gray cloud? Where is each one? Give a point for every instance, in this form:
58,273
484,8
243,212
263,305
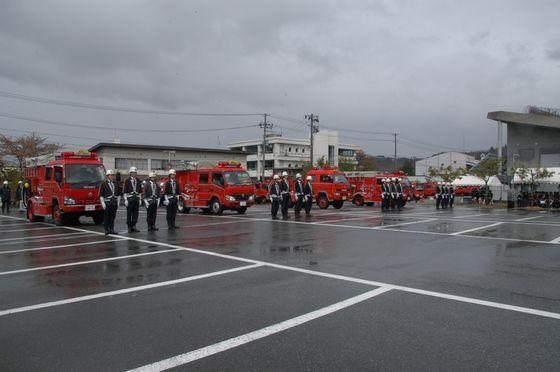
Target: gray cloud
429,70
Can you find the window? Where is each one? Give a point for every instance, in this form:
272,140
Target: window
251,165
297,149
84,175
289,165
48,174
302,151
163,164
326,178
252,149
125,163
346,152
203,178
269,164
218,179
289,149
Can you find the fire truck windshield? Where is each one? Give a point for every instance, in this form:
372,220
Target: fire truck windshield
340,178
237,178
84,175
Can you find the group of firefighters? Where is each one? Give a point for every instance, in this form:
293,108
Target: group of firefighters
280,195
6,196
445,195
391,193
136,193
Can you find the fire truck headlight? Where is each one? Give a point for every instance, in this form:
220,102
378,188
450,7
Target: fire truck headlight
336,194
251,197
230,198
69,201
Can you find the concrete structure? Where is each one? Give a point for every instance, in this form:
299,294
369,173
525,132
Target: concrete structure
533,140
146,158
454,159
290,154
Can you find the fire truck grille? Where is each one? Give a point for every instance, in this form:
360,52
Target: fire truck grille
241,197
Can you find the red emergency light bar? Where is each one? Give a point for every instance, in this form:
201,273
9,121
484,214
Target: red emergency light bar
229,164
77,155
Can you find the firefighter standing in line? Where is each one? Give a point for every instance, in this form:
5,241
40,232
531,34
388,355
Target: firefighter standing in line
109,197
393,189
385,193
444,195
451,195
151,200
438,195
6,194
399,190
308,195
132,192
285,193
171,195
274,194
299,195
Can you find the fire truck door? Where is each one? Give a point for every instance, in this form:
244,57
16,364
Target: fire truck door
203,190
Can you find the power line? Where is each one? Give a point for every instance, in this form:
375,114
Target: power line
73,125
55,134
91,106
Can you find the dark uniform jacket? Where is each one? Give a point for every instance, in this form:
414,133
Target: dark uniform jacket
284,186
398,188
299,187
133,192
274,190
109,195
308,189
151,193
6,193
171,191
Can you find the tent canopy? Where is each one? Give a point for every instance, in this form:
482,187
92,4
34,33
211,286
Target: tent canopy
469,180
554,179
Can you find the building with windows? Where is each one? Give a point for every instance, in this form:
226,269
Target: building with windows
533,138
454,159
290,154
160,159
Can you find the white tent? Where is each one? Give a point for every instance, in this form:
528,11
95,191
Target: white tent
554,179
469,180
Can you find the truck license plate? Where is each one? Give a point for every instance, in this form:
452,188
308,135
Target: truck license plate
90,207
242,203
344,198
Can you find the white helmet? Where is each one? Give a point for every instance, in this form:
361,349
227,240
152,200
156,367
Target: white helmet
109,172
384,180
276,177
393,179
399,179
152,175
284,174
309,178
172,171
20,182
161,184
298,175
5,182
440,183
133,170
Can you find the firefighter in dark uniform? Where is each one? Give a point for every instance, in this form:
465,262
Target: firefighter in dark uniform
439,190
286,196
132,192
399,192
109,197
393,188
274,195
385,192
171,195
151,200
299,195
6,193
444,195
308,195
451,195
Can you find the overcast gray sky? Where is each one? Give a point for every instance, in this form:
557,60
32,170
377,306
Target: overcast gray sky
429,70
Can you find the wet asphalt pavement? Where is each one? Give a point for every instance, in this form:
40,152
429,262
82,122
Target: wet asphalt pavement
349,289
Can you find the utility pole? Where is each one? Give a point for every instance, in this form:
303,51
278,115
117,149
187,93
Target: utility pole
395,156
500,148
265,125
312,130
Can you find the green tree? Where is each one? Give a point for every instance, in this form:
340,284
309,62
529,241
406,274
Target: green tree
447,174
408,167
533,176
486,169
346,166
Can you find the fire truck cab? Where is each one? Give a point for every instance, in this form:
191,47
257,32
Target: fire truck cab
330,187
65,187
215,189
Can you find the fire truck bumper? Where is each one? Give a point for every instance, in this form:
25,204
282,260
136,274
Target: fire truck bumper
237,204
82,209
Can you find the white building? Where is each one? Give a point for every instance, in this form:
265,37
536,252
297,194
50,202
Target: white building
454,159
290,154
160,159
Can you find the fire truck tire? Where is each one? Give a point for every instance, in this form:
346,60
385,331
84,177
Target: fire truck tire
370,204
98,218
359,200
337,204
241,210
31,216
58,217
323,202
216,206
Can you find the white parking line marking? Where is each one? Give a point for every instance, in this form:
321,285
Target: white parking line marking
63,237
219,347
528,218
39,237
31,229
345,219
477,228
403,224
125,290
60,246
556,241
87,262
20,223
358,280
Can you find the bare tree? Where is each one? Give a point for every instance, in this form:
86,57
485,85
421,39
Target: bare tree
26,146
365,162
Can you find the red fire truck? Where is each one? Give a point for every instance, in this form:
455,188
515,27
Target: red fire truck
330,186
65,187
215,189
261,191
368,189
